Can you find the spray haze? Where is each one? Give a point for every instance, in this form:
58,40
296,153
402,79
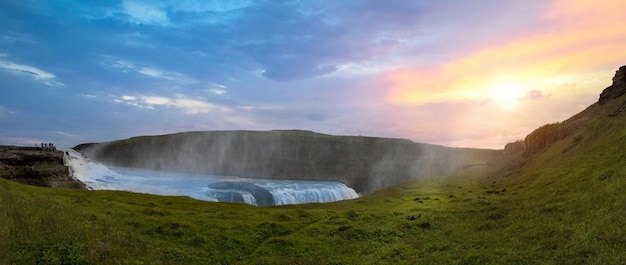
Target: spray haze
366,164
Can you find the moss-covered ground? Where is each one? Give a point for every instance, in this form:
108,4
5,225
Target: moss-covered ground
563,205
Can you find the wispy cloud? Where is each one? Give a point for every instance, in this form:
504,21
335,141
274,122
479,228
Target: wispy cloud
15,37
10,140
144,13
188,105
32,72
147,70
574,35
4,112
217,91
66,134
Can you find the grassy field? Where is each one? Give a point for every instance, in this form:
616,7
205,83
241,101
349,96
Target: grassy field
563,205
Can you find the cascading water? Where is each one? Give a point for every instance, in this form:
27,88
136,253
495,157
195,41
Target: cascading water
261,192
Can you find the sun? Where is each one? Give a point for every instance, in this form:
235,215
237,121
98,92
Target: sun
506,96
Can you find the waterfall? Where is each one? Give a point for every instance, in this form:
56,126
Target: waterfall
259,192
299,192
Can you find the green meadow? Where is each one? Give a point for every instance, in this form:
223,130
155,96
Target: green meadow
562,205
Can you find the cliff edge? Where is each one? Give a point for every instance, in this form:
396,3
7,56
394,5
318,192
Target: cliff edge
617,89
28,165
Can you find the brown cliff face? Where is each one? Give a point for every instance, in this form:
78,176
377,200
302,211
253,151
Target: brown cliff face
363,163
27,165
514,147
545,135
617,89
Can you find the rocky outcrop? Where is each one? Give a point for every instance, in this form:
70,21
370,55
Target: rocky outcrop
544,136
363,163
617,89
30,166
514,147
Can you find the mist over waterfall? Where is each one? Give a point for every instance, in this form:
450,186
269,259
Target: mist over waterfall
365,164
259,192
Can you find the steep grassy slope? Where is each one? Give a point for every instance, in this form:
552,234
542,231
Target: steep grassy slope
363,163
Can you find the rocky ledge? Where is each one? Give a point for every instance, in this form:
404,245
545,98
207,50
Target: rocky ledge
28,165
617,89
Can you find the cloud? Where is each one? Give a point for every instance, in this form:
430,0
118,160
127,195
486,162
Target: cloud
460,123
209,6
301,41
571,38
32,72
4,112
534,94
15,37
66,134
179,13
149,71
144,13
188,105
167,75
217,91
10,140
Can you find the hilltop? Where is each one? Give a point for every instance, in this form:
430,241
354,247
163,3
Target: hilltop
555,198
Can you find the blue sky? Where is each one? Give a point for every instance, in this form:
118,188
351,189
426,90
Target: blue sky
457,73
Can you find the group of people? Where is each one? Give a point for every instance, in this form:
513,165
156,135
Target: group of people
47,147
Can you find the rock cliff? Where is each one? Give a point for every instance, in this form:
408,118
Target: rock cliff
363,163
514,147
617,89
28,165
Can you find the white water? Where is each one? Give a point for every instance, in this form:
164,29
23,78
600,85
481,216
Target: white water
100,177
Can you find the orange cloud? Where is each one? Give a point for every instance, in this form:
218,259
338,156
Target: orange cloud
549,73
574,40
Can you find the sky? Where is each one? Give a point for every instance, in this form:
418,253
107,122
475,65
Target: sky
472,73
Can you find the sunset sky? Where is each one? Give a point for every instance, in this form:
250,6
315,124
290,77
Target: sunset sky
455,73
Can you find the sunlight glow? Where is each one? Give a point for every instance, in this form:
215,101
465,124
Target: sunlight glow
507,95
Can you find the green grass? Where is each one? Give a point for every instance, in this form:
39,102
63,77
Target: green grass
563,205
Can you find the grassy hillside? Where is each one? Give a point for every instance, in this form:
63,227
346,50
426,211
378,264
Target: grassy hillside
561,202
